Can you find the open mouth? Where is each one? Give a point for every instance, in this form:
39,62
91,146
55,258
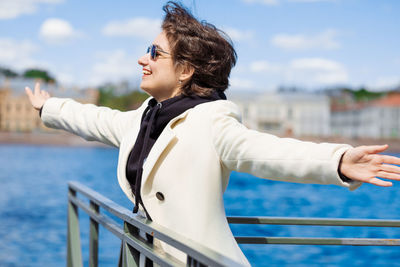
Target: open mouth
146,72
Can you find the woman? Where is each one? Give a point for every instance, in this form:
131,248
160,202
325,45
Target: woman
178,149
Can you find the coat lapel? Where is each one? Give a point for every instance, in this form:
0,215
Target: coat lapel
159,146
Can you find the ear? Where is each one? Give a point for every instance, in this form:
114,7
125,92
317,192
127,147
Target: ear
186,72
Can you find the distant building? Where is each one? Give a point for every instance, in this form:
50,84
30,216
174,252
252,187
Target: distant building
386,115
16,112
302,114
376,119
289,113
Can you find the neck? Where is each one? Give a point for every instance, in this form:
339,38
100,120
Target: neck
163,98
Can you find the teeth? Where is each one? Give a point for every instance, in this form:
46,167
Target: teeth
147,72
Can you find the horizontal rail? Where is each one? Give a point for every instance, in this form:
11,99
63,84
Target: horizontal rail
318,241
195,250
134,241
314,221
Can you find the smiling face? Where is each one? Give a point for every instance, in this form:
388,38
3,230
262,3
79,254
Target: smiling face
160,77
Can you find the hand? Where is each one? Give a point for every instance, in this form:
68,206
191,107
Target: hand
38,97
364,164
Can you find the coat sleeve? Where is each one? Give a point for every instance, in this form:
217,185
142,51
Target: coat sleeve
268,156
89,121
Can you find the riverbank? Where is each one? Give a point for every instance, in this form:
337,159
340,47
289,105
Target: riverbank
58,138
394,144
61,138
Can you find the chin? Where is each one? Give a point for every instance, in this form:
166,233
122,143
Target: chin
144,87
147,90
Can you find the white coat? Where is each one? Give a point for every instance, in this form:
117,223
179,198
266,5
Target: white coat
191,161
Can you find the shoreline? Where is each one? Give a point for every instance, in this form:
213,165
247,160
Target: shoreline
394,144
61,138
58,138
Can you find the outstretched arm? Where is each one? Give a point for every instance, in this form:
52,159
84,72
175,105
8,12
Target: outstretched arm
268,156
364,164
86,120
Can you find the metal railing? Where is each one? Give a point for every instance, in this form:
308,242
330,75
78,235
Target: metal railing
133,245
316,222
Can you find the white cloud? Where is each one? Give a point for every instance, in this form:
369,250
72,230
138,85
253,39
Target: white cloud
238,35
17,54
58,31
325,40
114,66
65,78
10,9
311,1
302,72
386,82
310,73
239,83
143,28
264,2
264,67
277,2
316,72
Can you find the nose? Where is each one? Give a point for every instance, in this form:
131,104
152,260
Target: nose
144,60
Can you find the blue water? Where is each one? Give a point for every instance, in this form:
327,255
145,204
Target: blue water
33,208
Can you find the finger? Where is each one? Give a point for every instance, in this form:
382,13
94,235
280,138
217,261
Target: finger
37,88
379,182
388,175
28,91
376,149
391,160
390,168
44,93
30,94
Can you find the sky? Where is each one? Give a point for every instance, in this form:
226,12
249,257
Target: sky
310,44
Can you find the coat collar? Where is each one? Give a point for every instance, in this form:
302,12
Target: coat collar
166,137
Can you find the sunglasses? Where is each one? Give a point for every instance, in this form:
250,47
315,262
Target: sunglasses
154,51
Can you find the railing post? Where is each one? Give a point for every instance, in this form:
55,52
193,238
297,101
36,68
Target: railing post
130,256
94,237
121,254
191,262
74,254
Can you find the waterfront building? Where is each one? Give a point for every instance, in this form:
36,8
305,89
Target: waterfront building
16,112
375,119
286,113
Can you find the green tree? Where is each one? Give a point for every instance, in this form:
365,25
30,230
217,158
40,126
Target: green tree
362,95
109,98
39,74
8,72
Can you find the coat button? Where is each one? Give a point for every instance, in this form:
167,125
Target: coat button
160,196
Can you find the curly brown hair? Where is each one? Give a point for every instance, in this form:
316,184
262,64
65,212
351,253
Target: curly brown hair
200,45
